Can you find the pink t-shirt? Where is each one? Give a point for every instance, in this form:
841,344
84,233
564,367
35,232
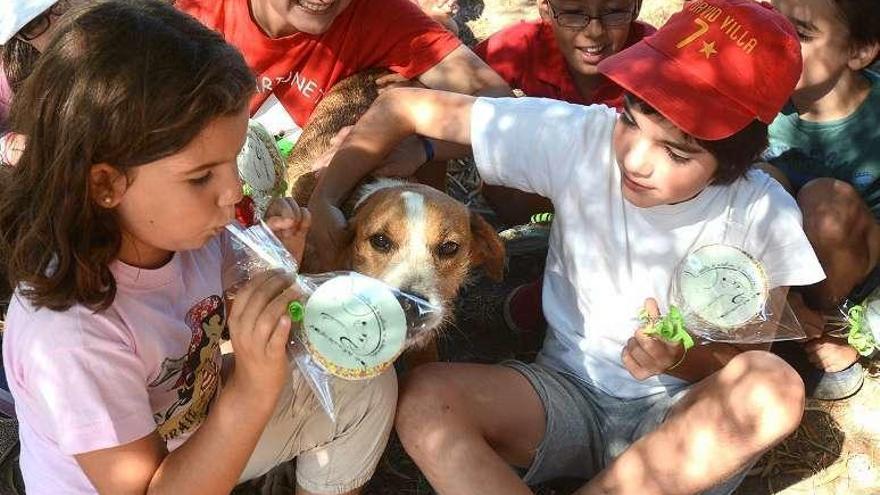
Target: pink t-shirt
84,381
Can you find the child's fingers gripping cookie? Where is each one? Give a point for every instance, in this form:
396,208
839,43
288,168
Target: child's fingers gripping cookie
291,223
259,328
252,299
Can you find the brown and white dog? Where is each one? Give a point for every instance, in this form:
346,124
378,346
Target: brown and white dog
420,240
409,235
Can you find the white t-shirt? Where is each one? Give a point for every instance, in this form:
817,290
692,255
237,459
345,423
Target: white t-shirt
85,381
607,256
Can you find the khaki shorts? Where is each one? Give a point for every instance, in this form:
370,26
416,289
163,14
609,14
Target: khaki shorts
330,457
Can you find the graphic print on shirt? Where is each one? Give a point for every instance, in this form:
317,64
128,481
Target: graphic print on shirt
293,80
194,375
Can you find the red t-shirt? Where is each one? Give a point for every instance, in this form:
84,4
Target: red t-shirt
527,57
300,68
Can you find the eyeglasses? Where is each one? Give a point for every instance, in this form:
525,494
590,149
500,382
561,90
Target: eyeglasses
40,24
581,20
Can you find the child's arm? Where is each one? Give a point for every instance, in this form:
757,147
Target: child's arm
212,459
395,115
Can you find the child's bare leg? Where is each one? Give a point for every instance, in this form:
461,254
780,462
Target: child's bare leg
724,422
465,424
844,235
846,239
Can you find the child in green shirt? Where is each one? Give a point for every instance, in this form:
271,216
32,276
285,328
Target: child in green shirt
826,142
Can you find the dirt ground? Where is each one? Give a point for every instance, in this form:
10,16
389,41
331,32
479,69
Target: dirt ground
835,451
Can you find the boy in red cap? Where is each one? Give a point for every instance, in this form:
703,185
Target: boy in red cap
634,193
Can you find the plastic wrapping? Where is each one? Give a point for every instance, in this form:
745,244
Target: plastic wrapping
261,167
858,323
345,326
722,293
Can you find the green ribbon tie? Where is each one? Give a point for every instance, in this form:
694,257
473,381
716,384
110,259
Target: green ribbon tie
669,327
542,217
296,310
285,146
860,336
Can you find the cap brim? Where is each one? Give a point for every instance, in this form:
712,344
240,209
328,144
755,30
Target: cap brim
689,102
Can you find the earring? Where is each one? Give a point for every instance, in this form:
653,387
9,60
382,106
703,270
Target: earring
107,200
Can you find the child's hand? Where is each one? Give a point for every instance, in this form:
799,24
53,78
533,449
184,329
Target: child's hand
645,356
811,320
323,160
259,328
326,240
831,354
439,7
290,222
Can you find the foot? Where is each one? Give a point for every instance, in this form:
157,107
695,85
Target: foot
838,385
842,374
831,354
820,382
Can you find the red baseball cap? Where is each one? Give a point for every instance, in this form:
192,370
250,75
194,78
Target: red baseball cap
714,67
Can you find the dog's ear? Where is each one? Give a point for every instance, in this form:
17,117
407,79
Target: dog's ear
487,250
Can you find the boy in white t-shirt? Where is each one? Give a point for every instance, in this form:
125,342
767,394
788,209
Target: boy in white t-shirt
633,194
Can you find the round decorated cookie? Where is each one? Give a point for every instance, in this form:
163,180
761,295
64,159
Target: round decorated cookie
261,168
354,326
722,286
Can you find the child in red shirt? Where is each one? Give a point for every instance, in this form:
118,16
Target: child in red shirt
298,62
556,56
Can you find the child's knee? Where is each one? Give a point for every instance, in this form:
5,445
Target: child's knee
833,210
426,402
768,396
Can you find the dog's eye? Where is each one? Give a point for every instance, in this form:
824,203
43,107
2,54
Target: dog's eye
380,243
447,249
